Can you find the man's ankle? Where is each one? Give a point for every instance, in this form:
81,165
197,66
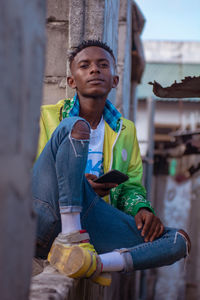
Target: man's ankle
76,237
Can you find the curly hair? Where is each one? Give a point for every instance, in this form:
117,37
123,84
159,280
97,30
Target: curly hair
89,43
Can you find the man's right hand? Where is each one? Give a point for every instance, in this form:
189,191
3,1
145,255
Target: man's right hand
102,189
151,225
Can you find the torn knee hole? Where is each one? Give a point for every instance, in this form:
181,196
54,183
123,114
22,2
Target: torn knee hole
81,131
185,235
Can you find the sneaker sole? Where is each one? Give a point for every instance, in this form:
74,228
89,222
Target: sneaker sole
104,279
72,261
76,262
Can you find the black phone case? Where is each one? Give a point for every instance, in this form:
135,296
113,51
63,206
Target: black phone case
113,176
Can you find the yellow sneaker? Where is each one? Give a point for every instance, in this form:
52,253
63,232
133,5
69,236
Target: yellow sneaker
78,261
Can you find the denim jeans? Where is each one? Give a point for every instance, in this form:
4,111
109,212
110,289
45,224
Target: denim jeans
59,184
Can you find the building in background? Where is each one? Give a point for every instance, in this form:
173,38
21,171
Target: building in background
167,62
169,128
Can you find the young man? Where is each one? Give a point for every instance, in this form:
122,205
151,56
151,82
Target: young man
81,139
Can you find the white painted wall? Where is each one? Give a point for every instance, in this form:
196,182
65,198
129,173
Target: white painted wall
172,52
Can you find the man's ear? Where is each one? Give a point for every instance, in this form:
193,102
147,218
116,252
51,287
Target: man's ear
71,82
115,81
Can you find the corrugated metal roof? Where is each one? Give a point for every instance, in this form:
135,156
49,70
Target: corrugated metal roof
165,74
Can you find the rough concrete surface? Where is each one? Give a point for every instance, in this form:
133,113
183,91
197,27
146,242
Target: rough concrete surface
54,89
22,45
50,285
56,54
57,10
110,32
94,19
86,21
124,57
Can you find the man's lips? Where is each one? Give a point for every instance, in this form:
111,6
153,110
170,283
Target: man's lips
95,80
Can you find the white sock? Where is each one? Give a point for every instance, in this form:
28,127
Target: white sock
70,222
112,261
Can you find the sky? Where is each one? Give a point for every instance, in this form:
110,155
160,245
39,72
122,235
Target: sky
173,20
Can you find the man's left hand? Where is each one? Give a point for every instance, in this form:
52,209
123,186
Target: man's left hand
102,189
151,225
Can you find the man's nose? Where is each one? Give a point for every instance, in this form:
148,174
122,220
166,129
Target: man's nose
94,68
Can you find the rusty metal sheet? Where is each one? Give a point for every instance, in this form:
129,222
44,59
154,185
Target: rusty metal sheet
189,87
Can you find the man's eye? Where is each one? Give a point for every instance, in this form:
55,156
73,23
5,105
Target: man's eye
84,66
104,65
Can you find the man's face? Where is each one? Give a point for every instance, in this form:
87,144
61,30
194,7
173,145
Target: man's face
93,72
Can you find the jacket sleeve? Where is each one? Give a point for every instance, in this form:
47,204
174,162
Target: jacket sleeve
132,193
49,120
42,137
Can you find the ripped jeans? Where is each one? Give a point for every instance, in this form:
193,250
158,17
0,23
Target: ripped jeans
59,184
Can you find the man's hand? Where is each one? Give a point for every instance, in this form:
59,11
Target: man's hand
102,189
151,225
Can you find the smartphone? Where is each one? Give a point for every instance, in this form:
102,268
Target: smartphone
113,176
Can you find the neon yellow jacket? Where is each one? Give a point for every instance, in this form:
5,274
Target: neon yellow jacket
121,152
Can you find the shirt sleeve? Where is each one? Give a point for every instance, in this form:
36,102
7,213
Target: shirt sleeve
132,194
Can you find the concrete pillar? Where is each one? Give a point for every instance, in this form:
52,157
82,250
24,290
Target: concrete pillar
86,21
110,34
124,57
22,42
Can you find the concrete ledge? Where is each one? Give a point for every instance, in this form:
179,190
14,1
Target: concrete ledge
50,285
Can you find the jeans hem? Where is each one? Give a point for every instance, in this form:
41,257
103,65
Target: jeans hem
128,261
70,209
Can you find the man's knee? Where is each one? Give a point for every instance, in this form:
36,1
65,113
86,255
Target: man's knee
81,130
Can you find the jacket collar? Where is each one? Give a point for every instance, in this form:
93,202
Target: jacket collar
110,114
